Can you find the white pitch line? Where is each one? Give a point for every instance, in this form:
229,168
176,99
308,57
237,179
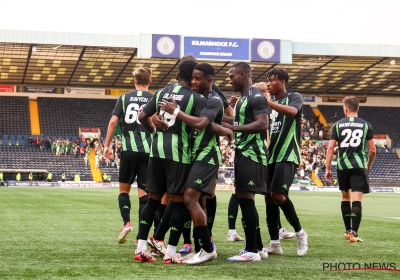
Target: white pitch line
397,218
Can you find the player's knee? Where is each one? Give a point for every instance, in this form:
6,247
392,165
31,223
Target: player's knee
143,199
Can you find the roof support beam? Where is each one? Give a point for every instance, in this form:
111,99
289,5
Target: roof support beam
77,63
27,63
126,65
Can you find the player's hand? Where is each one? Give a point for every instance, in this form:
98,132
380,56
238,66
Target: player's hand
233,100
107,153
159,122
227,125
141,109
328,176
229,134
168,106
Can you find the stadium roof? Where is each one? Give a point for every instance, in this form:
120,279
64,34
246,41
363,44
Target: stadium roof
89,65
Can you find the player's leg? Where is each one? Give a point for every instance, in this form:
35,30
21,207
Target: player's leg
250,178
126,173
233,209
186,233
161,209
211,208
284,173
156,187
176,178
283,233
195,200
359,186
345,206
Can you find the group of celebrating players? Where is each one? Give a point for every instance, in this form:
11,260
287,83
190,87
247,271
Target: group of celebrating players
171,146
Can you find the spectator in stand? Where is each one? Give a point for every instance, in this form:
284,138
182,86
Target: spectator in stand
30,141
49,177
30,177
18,177
83,150
87,159
36,142
77,178
63,176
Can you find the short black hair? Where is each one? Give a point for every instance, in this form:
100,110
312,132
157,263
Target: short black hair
278,72
206,68
186,68
245,67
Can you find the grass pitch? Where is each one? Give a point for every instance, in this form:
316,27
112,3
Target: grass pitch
51,233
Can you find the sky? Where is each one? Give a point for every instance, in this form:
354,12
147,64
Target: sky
311,21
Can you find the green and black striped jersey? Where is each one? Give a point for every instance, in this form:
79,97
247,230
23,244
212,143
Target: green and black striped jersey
134,136
249,105
206,144
351,133
174,143
285,131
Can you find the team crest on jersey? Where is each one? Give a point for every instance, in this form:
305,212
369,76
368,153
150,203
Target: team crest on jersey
273,115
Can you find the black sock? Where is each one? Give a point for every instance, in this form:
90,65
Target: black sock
197,246
249,222
273,221
279,219
290,214
147,217
159,213
164,225
233,208
142,204
177,221
211,209
125,207
203,237
259,239
187,229
346,214
356,215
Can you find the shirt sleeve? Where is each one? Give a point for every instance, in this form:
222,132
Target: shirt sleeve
334,135
370,132
259,105
200,104
212,108
118,110
296,101
151,107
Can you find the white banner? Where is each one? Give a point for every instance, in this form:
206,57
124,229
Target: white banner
84,91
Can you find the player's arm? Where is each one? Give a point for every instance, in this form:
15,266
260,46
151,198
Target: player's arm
289,111
259,125
220,130
112,125
372,153
195,122
328,159
144,117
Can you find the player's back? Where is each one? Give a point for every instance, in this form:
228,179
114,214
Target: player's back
174,143
134,136
351,134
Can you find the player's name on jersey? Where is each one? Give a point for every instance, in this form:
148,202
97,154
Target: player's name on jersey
351,124
176,97
139,99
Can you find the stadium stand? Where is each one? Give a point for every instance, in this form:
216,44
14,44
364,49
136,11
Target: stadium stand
308,112
64,116
25,157
14,117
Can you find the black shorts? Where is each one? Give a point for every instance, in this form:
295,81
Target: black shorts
355,179
250,176
202,177
166,176
133,164
280,176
